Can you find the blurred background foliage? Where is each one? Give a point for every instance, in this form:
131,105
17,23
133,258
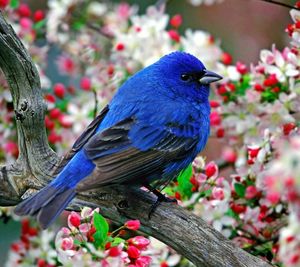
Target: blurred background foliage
244,27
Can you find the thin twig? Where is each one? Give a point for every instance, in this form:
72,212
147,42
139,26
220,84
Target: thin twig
161,3
96,103
98,30
280,4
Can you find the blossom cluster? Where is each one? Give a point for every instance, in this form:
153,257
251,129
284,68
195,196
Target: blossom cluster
33,249
86,241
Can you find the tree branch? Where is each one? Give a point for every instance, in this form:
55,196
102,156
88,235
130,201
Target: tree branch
280,4
178,228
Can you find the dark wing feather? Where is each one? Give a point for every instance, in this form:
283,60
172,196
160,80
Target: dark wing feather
82,139
119,161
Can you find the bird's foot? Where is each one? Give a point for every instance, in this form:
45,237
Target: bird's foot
160,198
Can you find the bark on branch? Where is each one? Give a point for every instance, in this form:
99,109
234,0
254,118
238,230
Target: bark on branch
178,228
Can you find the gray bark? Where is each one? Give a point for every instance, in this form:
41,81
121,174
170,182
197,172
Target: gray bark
188,234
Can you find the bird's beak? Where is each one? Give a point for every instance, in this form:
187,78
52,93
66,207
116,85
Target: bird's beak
209,77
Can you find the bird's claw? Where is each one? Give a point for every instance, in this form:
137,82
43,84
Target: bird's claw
160,198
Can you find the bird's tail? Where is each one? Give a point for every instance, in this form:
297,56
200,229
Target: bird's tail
47,204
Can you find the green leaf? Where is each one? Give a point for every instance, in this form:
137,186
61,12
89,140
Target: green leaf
77,242
206,193
77,25
117,241
231,213
62,104
169,190
101,226
184,184
14,4
39,24
240,189
245,84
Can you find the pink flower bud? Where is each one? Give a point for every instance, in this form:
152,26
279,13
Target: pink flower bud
294,259
133,252
38,15
59,90
139,241
74,219
288,127
67,243
26,23
11,148
114,251
174,35
24,10
229,155
273,197
133,224
41,263
271,80
85,83
120,47
253,151
176,20
4,3
241,68
66,65
65,231
210,169
220,132
54,138
251,192
54,113
65,121
226,58
214,104
215,118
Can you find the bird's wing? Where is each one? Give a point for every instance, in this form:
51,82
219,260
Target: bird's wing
118,159
83,138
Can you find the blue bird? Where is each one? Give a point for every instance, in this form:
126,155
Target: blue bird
153,128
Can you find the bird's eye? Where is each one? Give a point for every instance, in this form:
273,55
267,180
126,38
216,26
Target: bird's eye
186,77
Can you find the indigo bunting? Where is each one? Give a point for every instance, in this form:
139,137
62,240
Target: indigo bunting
153,128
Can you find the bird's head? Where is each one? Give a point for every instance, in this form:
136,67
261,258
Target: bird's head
186,76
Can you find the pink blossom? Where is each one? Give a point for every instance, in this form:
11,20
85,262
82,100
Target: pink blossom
143,261
139,241
123,10
273,197
251,192
218,193
66,65
229,154
133,224
67,243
